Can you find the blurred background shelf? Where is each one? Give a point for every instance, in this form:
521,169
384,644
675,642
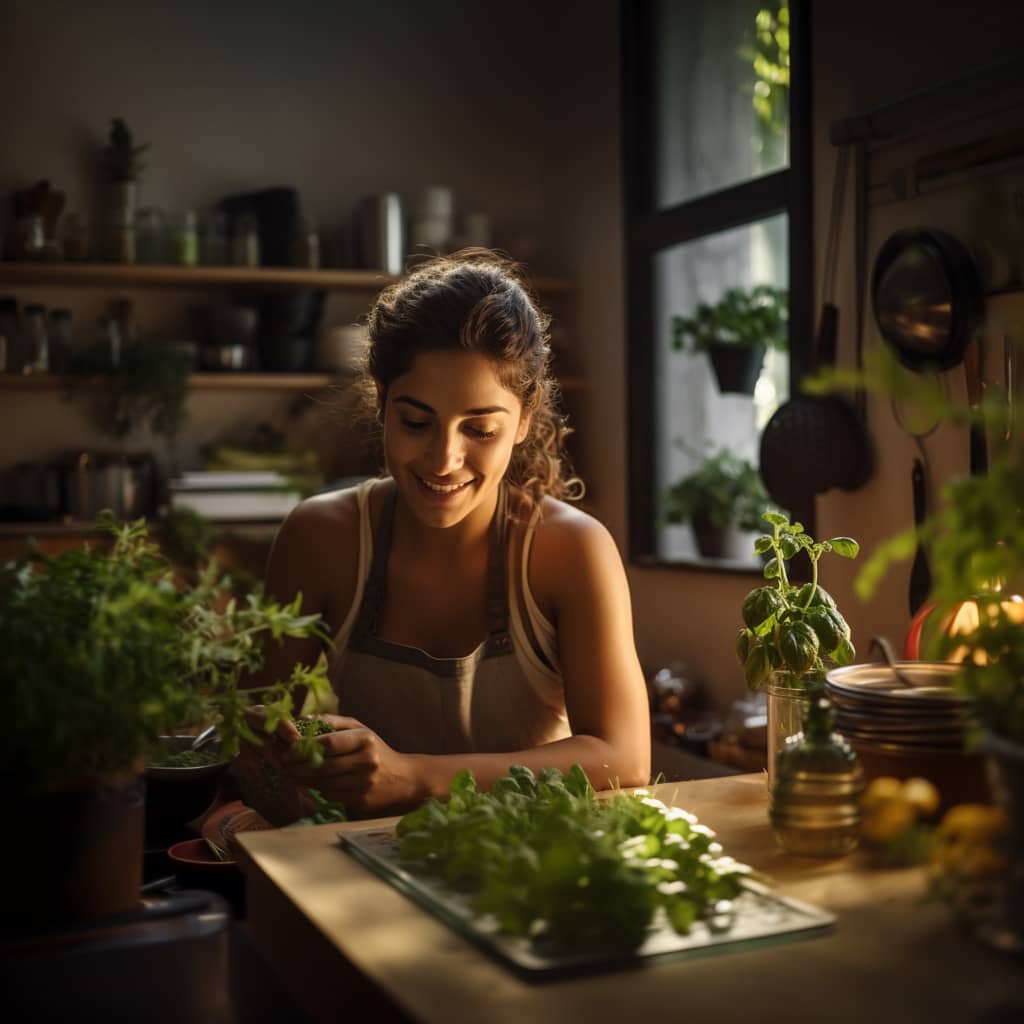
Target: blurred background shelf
90,275
238,381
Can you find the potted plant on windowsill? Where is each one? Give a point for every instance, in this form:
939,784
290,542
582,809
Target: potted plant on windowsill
722,496
102,652
735,333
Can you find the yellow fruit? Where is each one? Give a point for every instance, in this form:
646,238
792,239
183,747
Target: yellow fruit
885,787
887,819
974,822
921,794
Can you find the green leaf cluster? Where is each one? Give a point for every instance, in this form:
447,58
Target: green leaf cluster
974,539
147,387
548,860
791,627
104,651
121,155
724,488
758,316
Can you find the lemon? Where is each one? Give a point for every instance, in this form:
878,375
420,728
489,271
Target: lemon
921,794
888,819
883,788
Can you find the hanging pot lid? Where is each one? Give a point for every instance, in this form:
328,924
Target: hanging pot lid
927,297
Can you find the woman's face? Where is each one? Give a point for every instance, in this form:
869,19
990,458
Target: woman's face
449,430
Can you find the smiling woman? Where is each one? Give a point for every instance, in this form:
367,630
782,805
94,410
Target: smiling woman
479,619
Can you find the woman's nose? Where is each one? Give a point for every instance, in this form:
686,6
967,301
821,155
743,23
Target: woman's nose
446,452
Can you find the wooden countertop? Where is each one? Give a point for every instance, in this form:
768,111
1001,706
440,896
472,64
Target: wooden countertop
349,942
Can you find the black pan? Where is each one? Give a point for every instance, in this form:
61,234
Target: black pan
927,297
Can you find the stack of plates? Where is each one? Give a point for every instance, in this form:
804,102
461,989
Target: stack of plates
877,712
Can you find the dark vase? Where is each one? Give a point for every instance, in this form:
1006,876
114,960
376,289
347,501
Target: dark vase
1005,763
736,367
79,857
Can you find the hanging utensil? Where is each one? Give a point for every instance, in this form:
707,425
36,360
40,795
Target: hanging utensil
920,572
927,297
973,363
813,443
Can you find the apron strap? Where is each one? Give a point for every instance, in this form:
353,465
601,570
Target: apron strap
373,592
499,641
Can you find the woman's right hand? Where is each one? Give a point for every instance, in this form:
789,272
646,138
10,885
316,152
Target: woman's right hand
259,770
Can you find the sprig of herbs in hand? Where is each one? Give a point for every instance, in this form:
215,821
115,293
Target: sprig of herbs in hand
787,626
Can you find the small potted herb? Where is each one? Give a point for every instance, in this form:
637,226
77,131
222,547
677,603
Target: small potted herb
122,157
791,631
102,653
735,332
723,494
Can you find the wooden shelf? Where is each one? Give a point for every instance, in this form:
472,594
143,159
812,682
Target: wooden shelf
229,381
116,275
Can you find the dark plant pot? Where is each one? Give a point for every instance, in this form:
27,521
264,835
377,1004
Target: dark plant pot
1005,765
715,541
736,367
78,857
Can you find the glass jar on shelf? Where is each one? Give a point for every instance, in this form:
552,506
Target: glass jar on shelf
185,239
150,236
245,246
213,239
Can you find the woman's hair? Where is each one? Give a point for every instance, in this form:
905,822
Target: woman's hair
475,301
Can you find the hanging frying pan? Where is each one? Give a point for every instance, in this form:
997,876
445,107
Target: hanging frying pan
928,304
927,297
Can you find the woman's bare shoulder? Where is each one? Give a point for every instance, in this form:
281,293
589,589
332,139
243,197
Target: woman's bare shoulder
316,550
567,544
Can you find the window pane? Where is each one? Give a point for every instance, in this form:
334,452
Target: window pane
721,93
697,414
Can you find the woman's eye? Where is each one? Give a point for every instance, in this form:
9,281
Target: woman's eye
415,424
478,432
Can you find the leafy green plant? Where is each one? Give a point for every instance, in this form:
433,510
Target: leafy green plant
121,155
768,55
741,317
550,861
791,627
724,489
102,652
147,386
975,543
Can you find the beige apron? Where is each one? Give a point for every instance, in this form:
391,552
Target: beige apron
420,704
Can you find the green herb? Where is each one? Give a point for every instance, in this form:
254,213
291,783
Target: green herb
759,316
723,488
312,726
324,810
550,861
146,388
187,759
123,157
791,627
103,652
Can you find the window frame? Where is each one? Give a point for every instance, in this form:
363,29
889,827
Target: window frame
648,230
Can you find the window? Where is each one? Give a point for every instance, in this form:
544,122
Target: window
717,201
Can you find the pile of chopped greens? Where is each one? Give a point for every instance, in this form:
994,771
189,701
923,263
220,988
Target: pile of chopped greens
549,860
187,759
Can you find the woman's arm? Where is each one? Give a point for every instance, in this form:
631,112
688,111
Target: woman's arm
578,576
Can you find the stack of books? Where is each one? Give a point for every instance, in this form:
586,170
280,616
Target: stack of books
235,495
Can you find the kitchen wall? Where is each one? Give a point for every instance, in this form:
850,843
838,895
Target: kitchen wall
519,112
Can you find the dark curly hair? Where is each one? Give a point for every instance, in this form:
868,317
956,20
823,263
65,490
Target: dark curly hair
475,300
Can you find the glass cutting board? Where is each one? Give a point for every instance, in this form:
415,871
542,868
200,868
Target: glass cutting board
756,915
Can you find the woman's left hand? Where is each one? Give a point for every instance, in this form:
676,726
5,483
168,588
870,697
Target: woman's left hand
360,771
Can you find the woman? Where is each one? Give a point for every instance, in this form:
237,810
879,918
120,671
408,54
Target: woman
480,621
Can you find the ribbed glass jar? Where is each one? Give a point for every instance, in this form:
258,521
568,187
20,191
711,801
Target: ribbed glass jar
814,799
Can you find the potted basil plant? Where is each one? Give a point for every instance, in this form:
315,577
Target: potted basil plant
735,332
103,651
792,631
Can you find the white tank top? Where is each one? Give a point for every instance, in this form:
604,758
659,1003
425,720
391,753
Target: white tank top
505,695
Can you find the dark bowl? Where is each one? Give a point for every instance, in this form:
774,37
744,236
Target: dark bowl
176,796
